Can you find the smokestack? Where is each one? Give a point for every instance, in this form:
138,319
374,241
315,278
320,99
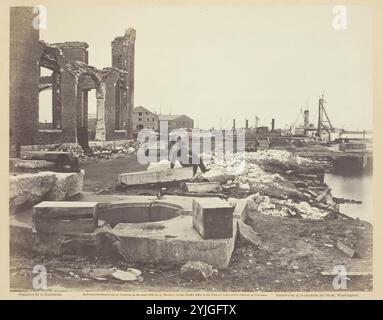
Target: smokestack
233,123
272,124
247,124
307,119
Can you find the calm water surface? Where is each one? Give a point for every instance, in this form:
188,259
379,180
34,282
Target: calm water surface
356,187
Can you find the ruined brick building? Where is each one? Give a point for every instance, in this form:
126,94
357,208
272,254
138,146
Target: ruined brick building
71,82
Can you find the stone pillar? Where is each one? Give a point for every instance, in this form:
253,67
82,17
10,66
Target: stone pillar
123,51
118,104
56,99
100,127
24,72
85,107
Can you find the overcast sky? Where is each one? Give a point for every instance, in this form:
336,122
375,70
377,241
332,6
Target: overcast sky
218,63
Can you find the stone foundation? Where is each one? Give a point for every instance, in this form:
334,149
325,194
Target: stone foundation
140,229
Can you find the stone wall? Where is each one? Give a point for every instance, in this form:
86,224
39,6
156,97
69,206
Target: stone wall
74,50
24,77
68,61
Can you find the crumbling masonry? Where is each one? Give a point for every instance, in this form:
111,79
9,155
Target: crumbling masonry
71,80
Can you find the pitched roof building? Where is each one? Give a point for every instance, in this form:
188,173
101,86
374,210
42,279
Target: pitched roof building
144,119
177,121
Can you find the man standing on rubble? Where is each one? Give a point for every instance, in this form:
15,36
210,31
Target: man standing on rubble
186,156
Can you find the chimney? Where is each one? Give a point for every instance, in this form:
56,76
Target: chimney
307,119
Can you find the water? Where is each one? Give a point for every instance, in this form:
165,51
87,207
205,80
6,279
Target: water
356,187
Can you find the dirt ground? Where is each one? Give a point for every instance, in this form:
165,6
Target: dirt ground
291,257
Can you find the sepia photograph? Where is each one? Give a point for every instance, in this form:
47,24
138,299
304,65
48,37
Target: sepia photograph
191,148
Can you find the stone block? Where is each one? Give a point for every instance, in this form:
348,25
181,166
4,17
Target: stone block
25,190
64,161
149,177
65,217
66,185
213,218
21,165
202,187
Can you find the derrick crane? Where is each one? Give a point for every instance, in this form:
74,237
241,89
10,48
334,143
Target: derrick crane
324,122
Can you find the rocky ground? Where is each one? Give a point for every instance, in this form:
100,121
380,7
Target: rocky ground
298,236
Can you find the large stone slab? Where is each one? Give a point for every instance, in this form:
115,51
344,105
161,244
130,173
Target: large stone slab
171,241
63,161
23,165
66,185
202,187
166,241
149,177
213,218
26,190
111,200
218,176
65,209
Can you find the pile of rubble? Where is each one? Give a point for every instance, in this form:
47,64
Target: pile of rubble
114,149
287,208
247,173
277,155
272,193
106,151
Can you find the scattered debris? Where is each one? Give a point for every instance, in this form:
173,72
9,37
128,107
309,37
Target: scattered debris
197,270
129,275
101,274
283,251
323,195
247,234
345,249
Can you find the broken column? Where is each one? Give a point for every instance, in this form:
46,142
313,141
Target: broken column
123,49
56,99
100,127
